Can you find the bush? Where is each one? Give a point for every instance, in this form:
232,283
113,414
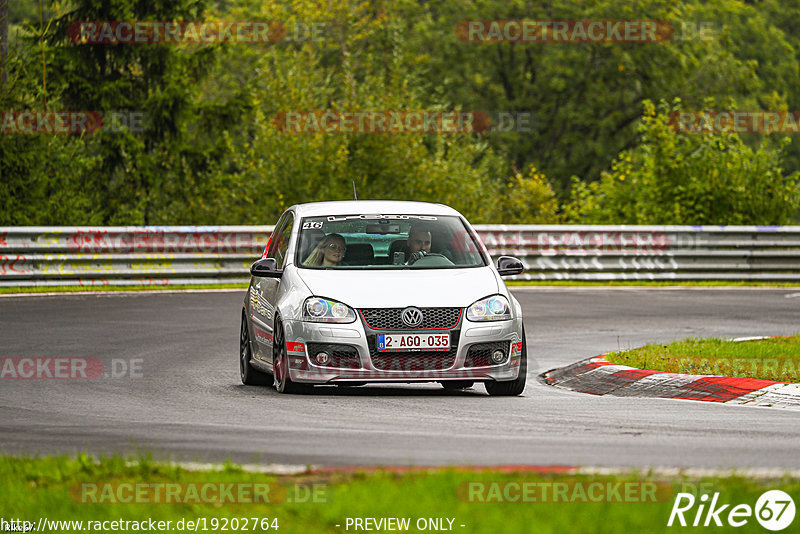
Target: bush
529,199
673,178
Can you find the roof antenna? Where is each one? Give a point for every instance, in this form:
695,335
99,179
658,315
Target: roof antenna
355,196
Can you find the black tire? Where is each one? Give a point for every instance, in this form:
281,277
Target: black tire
455,385
280,365
250,375
515,387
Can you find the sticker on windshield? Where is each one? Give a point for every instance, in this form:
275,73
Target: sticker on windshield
334,218
312,225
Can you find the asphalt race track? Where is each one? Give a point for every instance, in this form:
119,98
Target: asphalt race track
189,405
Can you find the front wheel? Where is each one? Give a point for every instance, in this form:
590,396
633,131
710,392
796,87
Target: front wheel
512,388
250,375
280,364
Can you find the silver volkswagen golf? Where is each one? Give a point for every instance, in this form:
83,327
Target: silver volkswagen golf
380,291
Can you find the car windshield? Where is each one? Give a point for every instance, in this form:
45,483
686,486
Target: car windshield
386,242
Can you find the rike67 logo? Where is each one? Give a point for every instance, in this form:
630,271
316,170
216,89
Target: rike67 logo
774,510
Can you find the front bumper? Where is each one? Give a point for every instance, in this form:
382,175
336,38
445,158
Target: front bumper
362,362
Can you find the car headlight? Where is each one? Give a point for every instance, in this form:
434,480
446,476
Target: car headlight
494,308
321,310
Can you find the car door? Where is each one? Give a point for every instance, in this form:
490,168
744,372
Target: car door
265,290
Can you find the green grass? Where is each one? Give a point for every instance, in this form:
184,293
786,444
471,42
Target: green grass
90,289
51,488
565,283
770,359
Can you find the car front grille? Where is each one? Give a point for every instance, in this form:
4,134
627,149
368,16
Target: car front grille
480,355
389,318
340,356
414,361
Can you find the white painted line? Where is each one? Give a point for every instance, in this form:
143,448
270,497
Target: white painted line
792,295
692,472
267,469
665,471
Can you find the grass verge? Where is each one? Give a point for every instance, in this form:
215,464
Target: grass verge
58,489
770,359
564,283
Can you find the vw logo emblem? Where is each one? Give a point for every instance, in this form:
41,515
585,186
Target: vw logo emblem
412,316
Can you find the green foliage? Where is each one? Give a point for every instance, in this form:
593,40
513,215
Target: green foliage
683,178
42,177
264,170
137,170
211,153
586,97
530,200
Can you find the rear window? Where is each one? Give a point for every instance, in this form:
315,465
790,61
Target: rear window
386,242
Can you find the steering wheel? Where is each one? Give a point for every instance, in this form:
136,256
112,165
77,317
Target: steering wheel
431,259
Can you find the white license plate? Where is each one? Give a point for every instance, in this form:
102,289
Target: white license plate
411,342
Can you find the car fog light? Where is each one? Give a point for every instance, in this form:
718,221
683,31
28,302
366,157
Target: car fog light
497,356
322,358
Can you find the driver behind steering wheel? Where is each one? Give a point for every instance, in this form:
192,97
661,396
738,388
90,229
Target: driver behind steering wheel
418,244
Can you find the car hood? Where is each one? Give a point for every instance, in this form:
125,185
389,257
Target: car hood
400,288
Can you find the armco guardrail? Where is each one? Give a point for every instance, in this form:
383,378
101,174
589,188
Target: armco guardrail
649,252
129,255
31,256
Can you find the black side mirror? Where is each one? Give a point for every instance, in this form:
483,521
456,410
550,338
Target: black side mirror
509,265
266,267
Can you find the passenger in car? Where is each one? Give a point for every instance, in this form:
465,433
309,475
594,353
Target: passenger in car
328,252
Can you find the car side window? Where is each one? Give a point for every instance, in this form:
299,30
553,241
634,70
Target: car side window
279,242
